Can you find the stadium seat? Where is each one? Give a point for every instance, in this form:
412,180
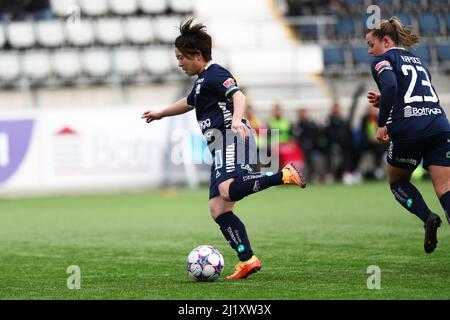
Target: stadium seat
127,62
361,58
96,62
153,6
438,5
66,63
94,7
413,5
80,34
423,52
50,33
181,6
109,31
62,8
9,66
443,55
167,28
385,5
21,35
138,30
344,28
447,23
406,19
334,60
36,65
157,61
429,24
121,7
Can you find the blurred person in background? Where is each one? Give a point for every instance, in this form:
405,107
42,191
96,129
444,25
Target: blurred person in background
341,151
17,10
220,105
412,118
370,145
257,125
308,135
281,127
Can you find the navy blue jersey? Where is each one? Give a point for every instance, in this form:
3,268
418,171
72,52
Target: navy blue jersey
211,98
416,112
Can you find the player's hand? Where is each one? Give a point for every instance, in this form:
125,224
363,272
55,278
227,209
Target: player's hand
374,99
151,115
239,127
382,135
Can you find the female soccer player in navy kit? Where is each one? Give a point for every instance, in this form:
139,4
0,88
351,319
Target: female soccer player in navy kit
220,107
412,119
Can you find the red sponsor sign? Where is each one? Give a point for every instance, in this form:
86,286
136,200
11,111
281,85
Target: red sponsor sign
228,83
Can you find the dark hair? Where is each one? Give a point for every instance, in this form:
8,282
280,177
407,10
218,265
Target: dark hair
399,33
193,38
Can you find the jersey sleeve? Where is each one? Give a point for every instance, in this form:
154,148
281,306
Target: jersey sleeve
380,65
382,71
190,98
225,83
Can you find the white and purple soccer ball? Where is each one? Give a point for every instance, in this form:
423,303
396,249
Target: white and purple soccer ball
205,263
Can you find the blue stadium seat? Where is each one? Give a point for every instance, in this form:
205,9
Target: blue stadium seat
423,52
447,22
429,24
406,19
438,5
443,52
345,27
361,56
334,59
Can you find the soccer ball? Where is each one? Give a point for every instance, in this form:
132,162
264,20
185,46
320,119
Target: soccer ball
205,263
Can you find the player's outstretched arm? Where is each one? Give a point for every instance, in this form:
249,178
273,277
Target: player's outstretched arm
239,109
179,107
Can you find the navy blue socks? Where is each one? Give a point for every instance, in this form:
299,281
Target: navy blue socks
411,199
245,185
234,231
445,202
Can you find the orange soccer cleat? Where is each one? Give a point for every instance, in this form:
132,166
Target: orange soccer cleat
245,268
291,175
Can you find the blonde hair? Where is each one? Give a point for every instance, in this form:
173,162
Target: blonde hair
399,33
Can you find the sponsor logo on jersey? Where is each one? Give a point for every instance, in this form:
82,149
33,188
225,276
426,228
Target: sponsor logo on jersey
447,155
405,160
420,112
382,64
228,83
217,174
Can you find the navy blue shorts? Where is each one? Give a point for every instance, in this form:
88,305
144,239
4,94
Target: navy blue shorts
434,150
233,157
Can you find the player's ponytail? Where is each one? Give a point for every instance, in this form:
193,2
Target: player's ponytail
397,31
193,38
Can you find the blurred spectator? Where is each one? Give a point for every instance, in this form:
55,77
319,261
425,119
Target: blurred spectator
257,125
16,10
289,150
341,153
283,125
308,135
370,146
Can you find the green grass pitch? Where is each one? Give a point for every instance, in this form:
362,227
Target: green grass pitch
315,243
